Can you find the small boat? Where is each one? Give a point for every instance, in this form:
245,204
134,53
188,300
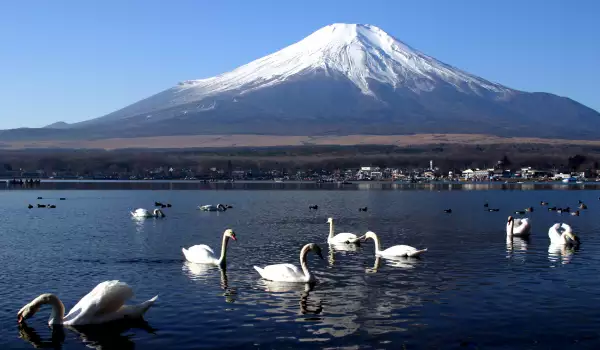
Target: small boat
570,179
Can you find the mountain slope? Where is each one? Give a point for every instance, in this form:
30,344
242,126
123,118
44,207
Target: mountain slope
346,79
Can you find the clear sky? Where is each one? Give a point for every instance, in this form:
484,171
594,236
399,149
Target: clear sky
75,60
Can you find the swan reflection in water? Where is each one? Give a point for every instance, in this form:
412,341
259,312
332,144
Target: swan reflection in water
516,247
304,289
106,336
204,272
401,262
342,249
562,253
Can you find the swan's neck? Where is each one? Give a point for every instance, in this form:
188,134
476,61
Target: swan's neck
223,258
512,227
303,264
377,244
331,229
377,263
58,309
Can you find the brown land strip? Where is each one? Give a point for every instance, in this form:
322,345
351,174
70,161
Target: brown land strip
205,141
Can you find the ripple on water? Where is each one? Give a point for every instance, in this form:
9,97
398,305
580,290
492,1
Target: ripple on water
470,286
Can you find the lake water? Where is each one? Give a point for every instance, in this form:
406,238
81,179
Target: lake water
470,290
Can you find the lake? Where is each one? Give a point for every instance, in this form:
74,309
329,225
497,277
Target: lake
471,290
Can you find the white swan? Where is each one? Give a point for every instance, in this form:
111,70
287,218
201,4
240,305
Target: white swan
561,234
395,251
203,254
144,213
289,272
210,207
340,238
105,303
518,227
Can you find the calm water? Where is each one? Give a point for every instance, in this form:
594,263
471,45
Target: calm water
471,290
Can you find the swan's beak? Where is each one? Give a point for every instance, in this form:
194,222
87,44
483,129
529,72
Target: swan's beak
19,319
233,237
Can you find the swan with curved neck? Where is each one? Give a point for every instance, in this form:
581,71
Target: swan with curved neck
289,272
203,254
517,227
561,234
340,238
394,251
105,303
144,213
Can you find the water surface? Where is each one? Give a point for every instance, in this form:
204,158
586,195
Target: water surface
472,289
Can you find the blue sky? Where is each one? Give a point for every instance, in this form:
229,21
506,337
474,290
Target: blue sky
76,60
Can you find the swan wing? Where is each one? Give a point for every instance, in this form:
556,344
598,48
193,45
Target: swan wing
141,212
554,235
106,298
208,207
201,248
280,272
566,227
522,227
200,253
402,250
343,237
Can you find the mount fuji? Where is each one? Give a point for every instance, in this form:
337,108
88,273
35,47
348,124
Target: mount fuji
343,79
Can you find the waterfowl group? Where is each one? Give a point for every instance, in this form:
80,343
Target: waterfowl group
106,302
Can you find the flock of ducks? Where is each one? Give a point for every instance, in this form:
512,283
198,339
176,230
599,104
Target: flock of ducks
106,302
51,206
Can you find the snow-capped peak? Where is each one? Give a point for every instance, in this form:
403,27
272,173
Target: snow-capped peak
361,52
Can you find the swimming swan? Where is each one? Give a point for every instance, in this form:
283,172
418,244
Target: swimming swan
203,254
210,207
561,234
517,227
340,238
289,272
105,303
144,213
395,251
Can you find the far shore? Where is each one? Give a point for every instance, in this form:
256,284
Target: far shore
236,141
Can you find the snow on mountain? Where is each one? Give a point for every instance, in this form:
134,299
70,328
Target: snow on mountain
346,79
360,52
363,53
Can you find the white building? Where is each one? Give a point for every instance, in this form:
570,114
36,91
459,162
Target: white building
468,174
